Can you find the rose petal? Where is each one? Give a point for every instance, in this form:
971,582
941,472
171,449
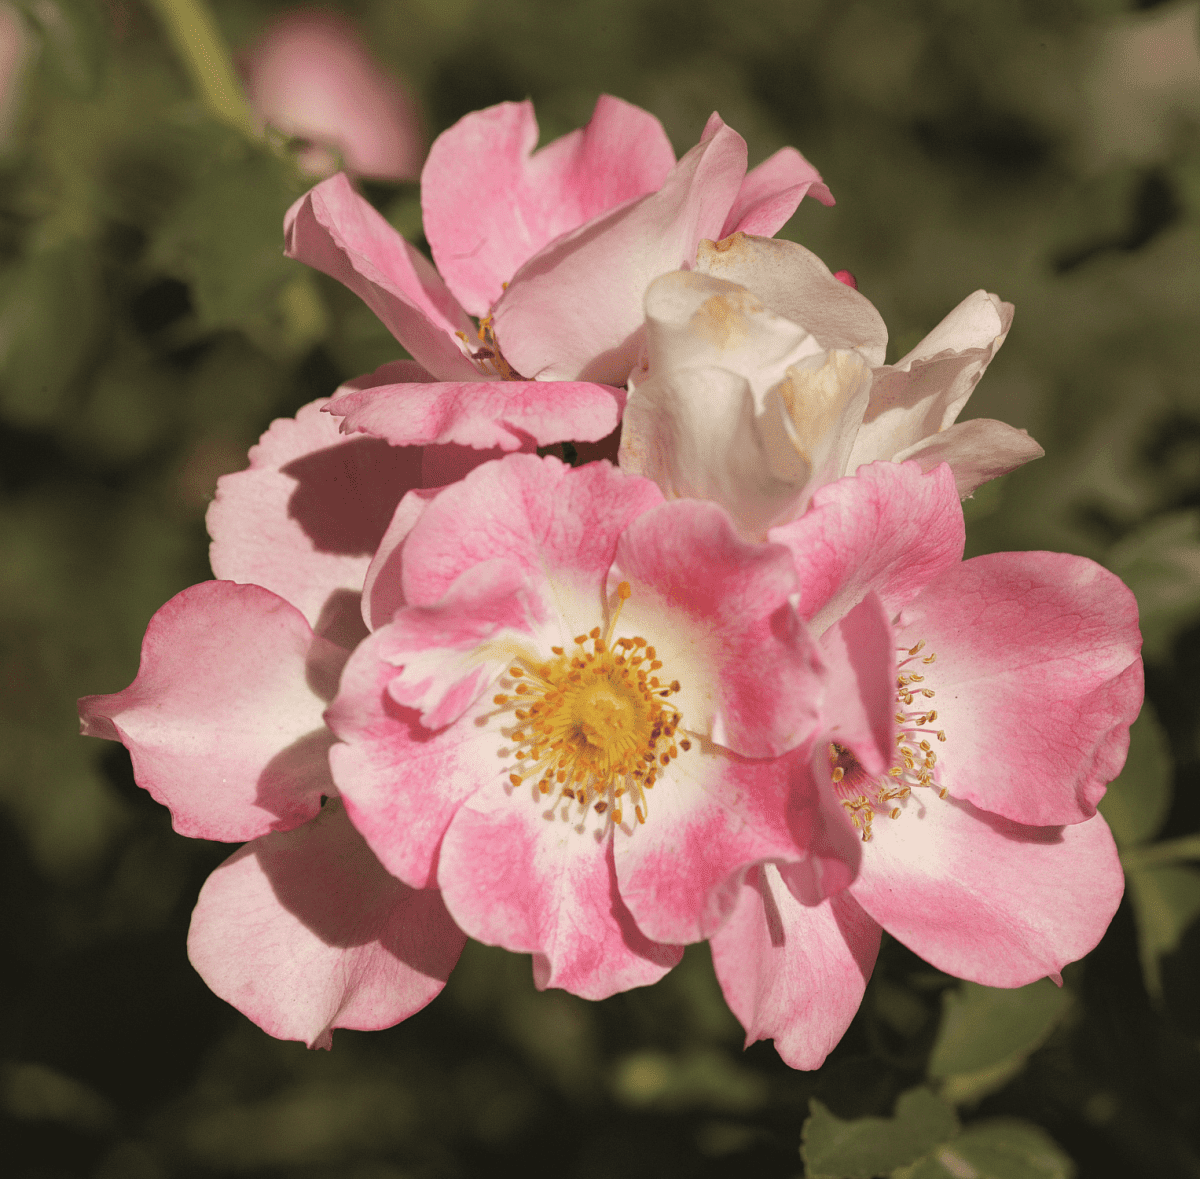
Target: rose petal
305,932
771,193
223,721
517,876
924,392
712,815
1037,679
305,518
717,611
490,202
540,513
889,528
978,451
574,310
504,415
987,899
793,282
333,229
794,973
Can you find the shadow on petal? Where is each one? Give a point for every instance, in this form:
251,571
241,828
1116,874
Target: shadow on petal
346,494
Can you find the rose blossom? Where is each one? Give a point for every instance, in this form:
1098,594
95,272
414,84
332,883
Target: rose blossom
1009,682
552,249
573,723
763,379
302,929
311,76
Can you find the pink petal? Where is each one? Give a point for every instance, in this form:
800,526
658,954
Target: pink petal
333,229
924,392
223,721
860,691
437,645
516,876
311,76
485,415
383,592
711,816
539,513
721,611
401,784
573,311
793,282
304,520
978,451
987,899
794,973
771,192
1037,678
305,932
890,528
489,204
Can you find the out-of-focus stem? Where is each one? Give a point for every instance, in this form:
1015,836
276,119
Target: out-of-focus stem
198,41
1170,851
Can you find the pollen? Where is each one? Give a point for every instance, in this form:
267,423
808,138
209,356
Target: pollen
595,725
914,760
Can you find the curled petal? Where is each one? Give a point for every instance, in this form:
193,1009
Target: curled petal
223,721
978,451
305,932
794,973
923,393
574,310
484,415
490,202
333,229
793,282
771,193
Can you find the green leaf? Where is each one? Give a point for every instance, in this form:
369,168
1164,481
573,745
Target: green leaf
1000,1149
225,238
1166,900
72,33
986,1034
862,1148
1137,802
1160,562
49,325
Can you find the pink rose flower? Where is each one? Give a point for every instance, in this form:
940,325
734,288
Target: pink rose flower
552,249
302,929
311,76
1009,682
763,380
578,723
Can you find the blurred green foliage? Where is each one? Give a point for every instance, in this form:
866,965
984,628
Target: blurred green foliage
150,329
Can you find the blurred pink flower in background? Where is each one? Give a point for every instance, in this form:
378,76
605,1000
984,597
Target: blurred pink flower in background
311,76
14,49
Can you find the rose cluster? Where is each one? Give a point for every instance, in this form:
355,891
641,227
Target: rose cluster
738,686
